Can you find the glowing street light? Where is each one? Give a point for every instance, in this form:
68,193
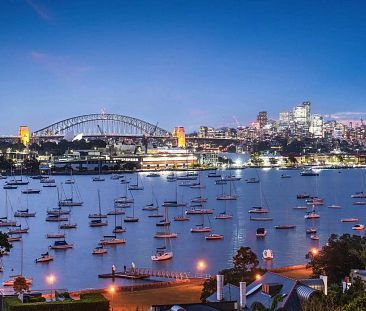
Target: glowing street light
112,289
258,276
51,280
314,251
201,265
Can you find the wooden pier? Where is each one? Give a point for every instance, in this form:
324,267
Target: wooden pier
143,273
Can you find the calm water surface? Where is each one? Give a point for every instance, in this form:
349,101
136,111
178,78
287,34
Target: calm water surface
78,268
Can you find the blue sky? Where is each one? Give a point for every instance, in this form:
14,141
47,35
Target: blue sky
179,62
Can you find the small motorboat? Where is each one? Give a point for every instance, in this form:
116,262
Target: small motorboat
308,172
161,254
267,254
315,237
285,176
214,175
261,233
349,219
214,236
46,257
284,227
358,227
99,250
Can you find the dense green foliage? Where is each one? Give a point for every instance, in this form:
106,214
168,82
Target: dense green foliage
245,268
90,302
4,243
339,256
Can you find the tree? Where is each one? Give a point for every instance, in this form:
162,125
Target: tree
244,270
258,306
245,260
338,257
357,304
4,243
20,285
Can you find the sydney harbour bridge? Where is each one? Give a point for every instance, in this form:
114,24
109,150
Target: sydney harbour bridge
101,125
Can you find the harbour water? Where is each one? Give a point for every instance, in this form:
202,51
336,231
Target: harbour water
77,268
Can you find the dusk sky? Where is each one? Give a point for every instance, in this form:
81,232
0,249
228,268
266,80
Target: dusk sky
181,62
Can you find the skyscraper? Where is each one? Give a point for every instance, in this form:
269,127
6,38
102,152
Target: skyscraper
262,118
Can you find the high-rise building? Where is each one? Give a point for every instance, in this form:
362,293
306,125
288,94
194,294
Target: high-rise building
24,135
262,118
179,132
316,126
302,118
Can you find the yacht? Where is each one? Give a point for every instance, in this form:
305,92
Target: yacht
12,279
359,195
61,245
55,235
224,215
162,254
99,250
258,210
165,235
24,213
252,180
111,240
31,191
349,219
214,236
358,227
97,223
308,172
200,229
199,211
261,233
46,257
267,254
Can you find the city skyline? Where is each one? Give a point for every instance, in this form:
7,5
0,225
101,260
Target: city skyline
205,61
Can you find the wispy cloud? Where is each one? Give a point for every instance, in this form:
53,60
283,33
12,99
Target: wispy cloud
60,66
346,115
41,11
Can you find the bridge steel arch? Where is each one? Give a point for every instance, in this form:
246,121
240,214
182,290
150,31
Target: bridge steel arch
111,124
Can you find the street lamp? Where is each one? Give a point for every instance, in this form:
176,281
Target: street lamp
112,290
201,266
51,280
